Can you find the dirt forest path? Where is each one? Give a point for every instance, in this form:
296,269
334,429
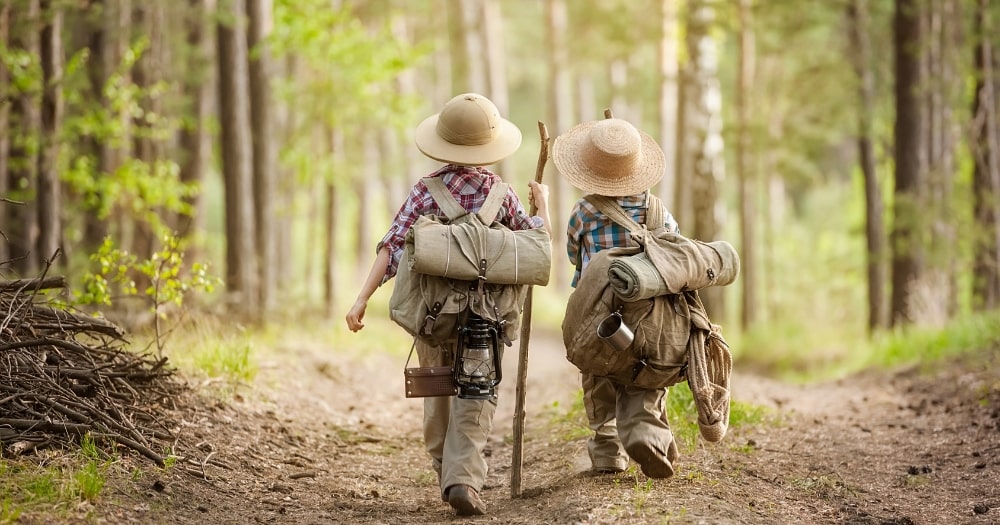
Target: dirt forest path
331,440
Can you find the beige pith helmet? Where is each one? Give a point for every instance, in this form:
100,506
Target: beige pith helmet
468,131
608,157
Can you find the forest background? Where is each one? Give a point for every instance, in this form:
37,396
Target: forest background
847,148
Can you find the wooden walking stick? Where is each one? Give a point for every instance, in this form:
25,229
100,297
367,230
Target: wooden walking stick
522,360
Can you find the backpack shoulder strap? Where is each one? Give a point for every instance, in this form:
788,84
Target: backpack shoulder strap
488,213
444,199
609,207
654,212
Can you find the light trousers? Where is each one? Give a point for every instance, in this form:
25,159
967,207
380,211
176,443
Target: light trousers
455,430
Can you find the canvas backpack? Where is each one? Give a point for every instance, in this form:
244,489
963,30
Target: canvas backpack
432,307
658,353
674,338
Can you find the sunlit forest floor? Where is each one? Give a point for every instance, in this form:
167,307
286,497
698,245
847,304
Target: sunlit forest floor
325,435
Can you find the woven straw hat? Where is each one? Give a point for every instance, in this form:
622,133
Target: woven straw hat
468,131
608,157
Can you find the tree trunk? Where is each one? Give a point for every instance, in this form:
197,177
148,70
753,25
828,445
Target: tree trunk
986,169
559,119
331,268
265,156
95,226
940,273
49,188
906,242
5,133
704,126
495,70
147,73
237,157
461,69
874,223
747,178
24,138
194,139
669,66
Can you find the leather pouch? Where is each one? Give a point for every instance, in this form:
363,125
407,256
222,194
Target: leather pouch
428,381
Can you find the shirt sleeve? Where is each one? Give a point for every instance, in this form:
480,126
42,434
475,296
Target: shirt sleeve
395,238
574,239
514,215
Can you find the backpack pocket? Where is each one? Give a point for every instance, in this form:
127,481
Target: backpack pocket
661,344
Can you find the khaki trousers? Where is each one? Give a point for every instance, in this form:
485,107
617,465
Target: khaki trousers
455,430
624,418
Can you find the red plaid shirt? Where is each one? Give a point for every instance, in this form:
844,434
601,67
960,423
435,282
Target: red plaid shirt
470,186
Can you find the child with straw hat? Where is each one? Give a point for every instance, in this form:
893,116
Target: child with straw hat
612,158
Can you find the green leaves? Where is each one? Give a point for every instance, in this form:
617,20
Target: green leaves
164,271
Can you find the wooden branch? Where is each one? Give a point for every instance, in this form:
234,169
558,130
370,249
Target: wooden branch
33,284
522,361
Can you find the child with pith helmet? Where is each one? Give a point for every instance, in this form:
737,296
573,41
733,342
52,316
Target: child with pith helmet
467,135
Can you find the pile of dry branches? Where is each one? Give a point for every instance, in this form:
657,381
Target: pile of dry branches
64,375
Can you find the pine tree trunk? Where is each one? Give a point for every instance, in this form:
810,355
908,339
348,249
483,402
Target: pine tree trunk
95,226
494,58
194,139
986,170
874,209
910,126
237,157
265,156
747,177
558,120
669,66
49,187
704,124
24,126
5,133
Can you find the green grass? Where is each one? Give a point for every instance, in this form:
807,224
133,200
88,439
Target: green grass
806,354
570,422
53,489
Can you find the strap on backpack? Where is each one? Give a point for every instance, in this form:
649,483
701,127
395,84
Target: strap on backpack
608,206
453,210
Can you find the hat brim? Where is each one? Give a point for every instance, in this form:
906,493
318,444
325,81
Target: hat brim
506,142
567,155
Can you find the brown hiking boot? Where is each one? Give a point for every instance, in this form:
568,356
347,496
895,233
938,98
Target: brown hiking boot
652,461
465,500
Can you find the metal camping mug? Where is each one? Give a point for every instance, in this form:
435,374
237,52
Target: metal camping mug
613,330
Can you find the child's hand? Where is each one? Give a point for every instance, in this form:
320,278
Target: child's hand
356,314
539,197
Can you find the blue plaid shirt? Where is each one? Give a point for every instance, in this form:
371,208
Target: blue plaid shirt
590,231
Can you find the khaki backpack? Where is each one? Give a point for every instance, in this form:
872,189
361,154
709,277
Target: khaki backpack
674,340
662,323
434,307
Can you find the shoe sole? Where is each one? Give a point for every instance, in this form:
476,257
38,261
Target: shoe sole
653,464
465,506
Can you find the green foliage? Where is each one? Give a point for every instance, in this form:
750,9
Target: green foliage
570,423
121,113
346,81
967,333
164,270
